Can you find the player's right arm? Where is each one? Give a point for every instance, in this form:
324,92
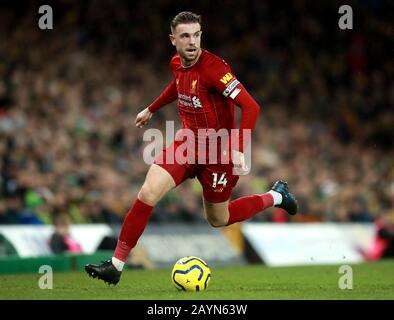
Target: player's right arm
143,118
169,94
166,97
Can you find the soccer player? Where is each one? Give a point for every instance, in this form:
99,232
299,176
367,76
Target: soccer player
206,90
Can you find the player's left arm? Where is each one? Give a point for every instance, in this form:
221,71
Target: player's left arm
250,111
225,82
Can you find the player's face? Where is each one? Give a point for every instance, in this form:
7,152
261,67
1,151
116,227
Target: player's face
187,40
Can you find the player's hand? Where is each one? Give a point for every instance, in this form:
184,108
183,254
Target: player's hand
238,159
143,118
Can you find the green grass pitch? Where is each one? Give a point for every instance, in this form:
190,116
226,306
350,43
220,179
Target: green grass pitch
254,282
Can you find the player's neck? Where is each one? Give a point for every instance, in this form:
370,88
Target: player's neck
188,64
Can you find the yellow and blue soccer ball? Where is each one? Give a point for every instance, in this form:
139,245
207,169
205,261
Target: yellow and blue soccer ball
191,274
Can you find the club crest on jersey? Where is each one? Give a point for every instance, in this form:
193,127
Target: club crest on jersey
226,78
193,86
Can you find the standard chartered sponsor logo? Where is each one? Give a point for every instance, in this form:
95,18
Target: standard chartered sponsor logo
230,87
184,97
189,101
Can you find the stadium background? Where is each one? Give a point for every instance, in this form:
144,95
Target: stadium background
68,98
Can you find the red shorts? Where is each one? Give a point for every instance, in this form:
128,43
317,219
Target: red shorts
217,180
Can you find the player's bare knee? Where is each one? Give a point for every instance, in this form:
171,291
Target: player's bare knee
148,194
216,222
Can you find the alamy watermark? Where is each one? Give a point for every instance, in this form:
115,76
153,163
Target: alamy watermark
202,146
346,20
46,280
45,22
345,282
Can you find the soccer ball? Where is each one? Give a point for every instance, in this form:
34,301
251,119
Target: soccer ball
191,274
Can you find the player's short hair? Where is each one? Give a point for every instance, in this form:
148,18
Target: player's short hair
185,17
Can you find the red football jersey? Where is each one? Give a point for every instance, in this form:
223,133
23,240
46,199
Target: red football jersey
203,92
206,93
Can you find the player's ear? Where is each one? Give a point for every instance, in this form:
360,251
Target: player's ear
172,39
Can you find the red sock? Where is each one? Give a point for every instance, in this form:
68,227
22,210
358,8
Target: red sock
133,226
246,207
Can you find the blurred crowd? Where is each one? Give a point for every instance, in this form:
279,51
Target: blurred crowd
69,96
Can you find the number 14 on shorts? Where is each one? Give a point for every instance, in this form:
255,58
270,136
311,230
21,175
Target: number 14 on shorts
222,180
